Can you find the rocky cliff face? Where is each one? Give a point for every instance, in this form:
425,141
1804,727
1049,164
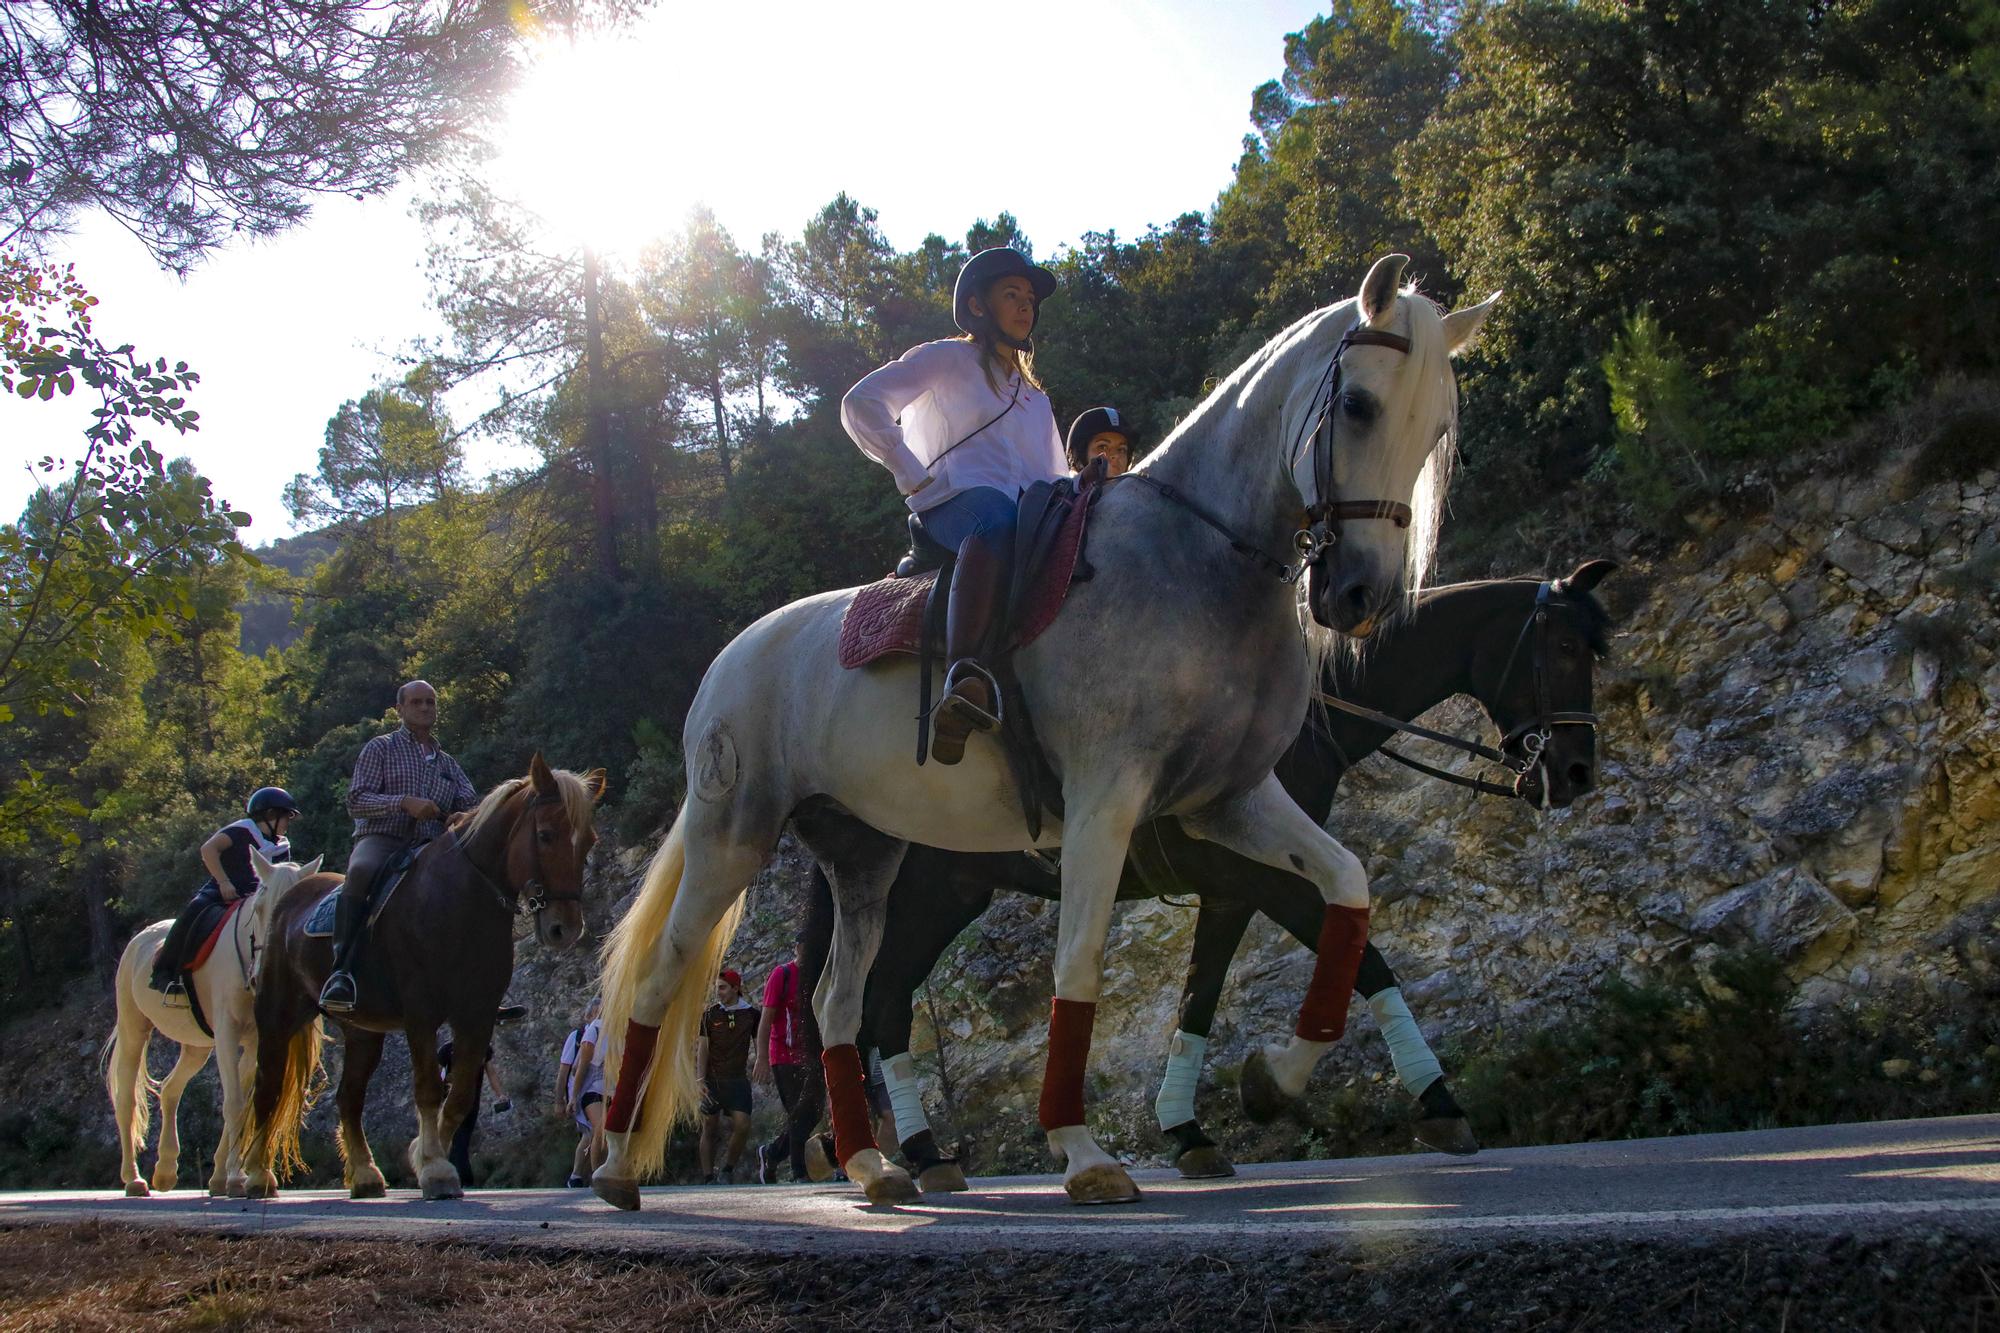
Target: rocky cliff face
1800,752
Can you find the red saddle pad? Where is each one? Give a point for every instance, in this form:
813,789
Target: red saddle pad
208,945
888,616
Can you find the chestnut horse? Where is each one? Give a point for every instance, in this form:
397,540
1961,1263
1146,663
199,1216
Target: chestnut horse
441,951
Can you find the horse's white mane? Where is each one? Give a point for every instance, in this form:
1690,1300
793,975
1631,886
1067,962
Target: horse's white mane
1426,397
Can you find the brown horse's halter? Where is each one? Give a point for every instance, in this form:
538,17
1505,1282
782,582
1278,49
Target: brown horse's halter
1533,735
1325,514
539,897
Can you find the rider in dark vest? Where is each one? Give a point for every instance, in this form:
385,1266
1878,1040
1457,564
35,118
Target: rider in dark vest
404,787
965,427
226,855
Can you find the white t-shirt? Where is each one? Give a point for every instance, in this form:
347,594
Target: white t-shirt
593,1077
908,415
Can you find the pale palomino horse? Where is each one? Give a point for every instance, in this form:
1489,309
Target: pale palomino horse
223,986
1339,426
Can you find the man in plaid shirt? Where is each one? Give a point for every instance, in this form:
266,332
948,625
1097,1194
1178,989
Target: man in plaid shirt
403,788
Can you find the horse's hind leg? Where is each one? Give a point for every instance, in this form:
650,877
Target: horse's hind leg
862,865
129,1087
167,1170
1267,826
360,1053
1218,929
934,899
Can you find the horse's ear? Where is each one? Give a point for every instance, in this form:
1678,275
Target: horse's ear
595,781
259,864
1461,327
1588,575
1380,289
311,868
543,778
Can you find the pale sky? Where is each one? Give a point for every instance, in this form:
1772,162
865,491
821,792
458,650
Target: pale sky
1096,114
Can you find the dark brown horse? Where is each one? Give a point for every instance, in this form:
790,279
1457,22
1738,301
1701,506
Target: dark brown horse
442,951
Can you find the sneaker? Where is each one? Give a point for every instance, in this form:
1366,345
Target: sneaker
766,1173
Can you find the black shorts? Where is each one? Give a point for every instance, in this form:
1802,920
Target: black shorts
588,1100
725,1094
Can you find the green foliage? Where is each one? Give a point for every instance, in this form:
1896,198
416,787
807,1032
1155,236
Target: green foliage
1661,437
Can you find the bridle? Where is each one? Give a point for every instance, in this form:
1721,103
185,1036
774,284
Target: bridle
1324,515
1533,736
539,896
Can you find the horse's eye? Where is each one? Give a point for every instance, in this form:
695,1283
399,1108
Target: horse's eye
1569,647
1358,406
543,835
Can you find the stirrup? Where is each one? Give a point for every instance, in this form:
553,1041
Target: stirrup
339,1003
975,717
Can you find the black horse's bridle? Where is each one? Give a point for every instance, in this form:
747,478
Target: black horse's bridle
1324,515
1533,735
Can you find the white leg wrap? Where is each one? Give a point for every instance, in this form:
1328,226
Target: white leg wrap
1416,1067
899,1076
1175,1104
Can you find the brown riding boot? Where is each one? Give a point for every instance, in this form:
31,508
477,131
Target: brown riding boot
978,599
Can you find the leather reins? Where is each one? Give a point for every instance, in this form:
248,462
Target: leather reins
1533,735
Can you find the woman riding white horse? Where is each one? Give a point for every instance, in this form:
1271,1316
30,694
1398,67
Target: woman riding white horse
964,427
1336,434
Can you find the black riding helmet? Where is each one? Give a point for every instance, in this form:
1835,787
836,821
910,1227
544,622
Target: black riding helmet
982,271
270,801
1094,423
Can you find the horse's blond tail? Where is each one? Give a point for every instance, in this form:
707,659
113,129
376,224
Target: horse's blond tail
275,1142
672,1092
144,1086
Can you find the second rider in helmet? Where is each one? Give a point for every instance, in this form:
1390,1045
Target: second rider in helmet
965,427
226,856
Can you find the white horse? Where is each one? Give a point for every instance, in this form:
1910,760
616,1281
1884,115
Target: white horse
223,984
1336,433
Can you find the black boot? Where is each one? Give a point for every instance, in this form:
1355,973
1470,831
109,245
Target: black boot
167,958
978,601
339,995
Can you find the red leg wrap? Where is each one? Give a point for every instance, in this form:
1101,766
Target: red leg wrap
632,1067
1069,1051
845,1089
1343,933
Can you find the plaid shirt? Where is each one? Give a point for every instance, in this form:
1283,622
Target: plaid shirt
394,766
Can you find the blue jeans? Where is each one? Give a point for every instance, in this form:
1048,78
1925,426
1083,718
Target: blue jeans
983,511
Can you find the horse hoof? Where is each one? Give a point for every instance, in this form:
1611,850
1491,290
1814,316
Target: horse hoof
1104,1183
941,1178
137,1189
819,1162
258,1189
620,1194
218,1191
436,1190
164,1184
892,1187
1263,1100
1450,1134
375,1189
238,1188
1204,1164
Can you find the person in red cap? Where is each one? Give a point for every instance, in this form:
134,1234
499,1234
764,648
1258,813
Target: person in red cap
722,1057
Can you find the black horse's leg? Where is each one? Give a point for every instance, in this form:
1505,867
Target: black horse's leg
937,894
1218,929
360,1053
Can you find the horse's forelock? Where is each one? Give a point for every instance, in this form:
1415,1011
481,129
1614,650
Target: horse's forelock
578,803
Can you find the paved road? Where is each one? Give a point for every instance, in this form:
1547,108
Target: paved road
1837,1178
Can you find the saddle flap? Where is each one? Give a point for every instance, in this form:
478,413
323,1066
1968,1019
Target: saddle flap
319,922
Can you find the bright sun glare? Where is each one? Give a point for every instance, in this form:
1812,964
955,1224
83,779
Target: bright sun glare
588,146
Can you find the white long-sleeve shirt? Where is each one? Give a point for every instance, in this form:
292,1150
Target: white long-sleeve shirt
911,411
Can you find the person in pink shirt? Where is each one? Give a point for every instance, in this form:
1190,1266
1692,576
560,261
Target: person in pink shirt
777,1059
